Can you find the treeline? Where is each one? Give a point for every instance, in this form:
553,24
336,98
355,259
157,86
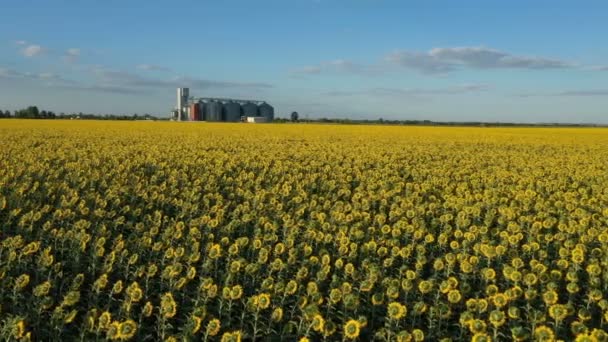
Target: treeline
436,123
32,112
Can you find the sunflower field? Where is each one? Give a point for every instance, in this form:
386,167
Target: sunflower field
158,231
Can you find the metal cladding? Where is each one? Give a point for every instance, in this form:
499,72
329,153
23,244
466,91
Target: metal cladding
195,113
232,111
182,103
202,105
213,110
267,111
250,109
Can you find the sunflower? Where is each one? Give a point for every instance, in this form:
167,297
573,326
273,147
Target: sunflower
104,320
477,326
418,335
497,318
396,311
550,297
21,282
213,327
236,292
558,312
263,300
147,310
234,336
318,323
352,329
544,333
425,286
500,300
113,332
481,337
127,329
168,307
454,296
277,315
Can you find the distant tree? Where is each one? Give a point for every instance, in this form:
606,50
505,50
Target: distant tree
294,116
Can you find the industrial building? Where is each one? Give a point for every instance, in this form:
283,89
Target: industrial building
220,109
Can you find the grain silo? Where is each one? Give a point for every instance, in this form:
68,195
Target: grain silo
232,111
250,109
195,112
213,110
202,105
266,111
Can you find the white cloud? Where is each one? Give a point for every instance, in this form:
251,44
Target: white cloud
443,60
569,93
406,92
73,52
337,66
71,55
440,60
152,67
32,50
21,42
49,79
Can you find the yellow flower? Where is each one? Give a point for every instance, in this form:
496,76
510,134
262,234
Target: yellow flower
19,329
168,307
196,324
352,329
213,327
454,296
236,292
477,326
21,282
127,329
550,297
113,332
117,288
215,251
500,300
396,310
263,301
277,315
42,289
481,337
497,318
234,336
147,310
418,335
104,320
558,312
425,286
318,323
544,333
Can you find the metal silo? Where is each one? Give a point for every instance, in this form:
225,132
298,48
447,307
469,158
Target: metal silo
195,112
250,109
267,111
232,111
202,107
213,110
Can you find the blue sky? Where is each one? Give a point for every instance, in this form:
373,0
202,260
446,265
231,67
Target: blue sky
524,61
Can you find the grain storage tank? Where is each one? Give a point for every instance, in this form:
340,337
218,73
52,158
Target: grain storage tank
213,110
267,111
232,111
202,110
195,112
250,109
